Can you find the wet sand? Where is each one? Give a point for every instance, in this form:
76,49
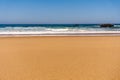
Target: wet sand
60,58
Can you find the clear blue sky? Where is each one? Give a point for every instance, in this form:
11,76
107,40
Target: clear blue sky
59,11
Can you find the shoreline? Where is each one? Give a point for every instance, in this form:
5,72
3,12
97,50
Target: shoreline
72,34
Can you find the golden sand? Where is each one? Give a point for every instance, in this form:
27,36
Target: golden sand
60,58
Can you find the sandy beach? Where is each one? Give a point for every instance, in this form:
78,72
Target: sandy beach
60,58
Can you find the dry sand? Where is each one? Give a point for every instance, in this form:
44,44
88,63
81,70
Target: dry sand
60,58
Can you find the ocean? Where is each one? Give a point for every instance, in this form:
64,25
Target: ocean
57,29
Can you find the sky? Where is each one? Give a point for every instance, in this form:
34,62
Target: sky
59,11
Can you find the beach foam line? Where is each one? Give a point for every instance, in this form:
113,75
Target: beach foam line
95,33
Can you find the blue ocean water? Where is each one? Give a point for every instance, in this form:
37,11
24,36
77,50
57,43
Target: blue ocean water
55,28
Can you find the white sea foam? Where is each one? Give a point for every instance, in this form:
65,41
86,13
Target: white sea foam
56,31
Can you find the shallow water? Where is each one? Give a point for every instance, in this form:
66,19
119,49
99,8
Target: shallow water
55,29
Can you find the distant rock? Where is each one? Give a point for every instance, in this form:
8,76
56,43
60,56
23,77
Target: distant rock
106,25
75,25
